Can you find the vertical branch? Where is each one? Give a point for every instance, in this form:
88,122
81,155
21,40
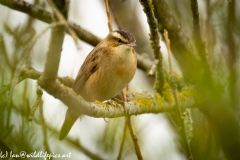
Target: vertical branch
155,42
174,88
61,19
199,43
54,53
233,55
196,25
108,15
196,30
182,49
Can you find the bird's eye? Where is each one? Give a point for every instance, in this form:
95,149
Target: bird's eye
119,40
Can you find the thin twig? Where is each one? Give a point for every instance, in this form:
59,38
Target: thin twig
13,83
183,127
45,137
39,99
31,44
122,143
108,15
55,132
133,135
114,16
33,74
165,34
63,20
129,124
153,67
134,138
4,52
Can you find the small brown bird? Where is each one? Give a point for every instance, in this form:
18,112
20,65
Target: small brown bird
108,68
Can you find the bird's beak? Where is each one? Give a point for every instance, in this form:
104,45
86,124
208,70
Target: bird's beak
132,44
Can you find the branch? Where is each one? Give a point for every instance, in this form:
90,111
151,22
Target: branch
50,129
47,17
95,110
44,130
38,101
62,19
196,30
182,49
119,157
195,14
199,43
139,103
182,125
155,41
183,128
134,138
108,16
114,16
54,53
167,40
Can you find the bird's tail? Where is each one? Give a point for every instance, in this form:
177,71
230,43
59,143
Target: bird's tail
71,117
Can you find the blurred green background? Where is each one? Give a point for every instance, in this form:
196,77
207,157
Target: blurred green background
210,66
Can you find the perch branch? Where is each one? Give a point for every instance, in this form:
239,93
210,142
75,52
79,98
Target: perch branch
139,103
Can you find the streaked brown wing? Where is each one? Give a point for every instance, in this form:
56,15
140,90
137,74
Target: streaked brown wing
89,66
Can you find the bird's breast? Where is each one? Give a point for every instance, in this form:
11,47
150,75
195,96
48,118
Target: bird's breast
111,77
